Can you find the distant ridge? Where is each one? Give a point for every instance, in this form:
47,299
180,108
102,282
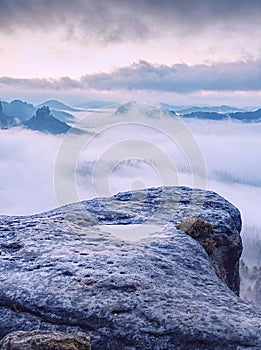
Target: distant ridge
222,109
18,109
7,122
250,116
24,111
97,104
59,106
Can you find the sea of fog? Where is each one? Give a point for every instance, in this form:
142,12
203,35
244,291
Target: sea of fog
39,172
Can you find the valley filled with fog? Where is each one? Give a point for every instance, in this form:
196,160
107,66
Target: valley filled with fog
133,147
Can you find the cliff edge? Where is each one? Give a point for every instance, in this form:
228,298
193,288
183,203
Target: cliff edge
123,270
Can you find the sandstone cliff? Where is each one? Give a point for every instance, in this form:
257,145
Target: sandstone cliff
119,269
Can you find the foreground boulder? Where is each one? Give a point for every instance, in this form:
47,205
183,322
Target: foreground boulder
120,270
45,340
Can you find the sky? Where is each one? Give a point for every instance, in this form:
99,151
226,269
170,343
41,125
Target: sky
174,51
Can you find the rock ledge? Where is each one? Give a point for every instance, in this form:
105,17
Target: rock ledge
72,270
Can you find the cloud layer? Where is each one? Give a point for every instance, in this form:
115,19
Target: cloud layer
181,78
120,20
230,150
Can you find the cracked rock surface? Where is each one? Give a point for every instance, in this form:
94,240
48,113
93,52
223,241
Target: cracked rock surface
119,269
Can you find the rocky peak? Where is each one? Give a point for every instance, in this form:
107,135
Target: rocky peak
43,112
44,121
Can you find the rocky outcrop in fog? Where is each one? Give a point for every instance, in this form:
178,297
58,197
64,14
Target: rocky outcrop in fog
19,113
44,121
120,270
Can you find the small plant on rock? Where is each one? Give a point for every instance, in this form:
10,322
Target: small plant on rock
196,228
209,245
201,230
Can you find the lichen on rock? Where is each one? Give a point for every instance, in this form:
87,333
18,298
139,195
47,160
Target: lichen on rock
45,340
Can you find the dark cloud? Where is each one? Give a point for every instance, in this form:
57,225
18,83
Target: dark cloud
180,77
237,76
81,20
120,20
64,83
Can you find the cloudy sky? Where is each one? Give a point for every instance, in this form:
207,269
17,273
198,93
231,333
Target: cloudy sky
175,51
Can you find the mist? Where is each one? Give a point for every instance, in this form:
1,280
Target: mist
128,155
26,176
127,151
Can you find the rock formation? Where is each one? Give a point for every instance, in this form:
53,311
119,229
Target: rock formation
44,121
84,267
